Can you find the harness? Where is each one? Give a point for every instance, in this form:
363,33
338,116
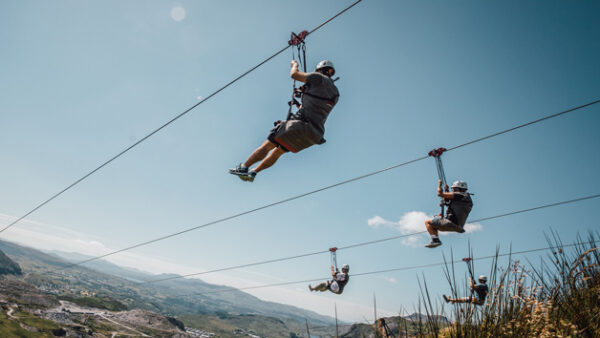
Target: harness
342,284
469,261
296,134
437,155
303,91
298,41
333,257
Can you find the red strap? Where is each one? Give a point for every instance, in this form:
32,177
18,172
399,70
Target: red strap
297,38
437,152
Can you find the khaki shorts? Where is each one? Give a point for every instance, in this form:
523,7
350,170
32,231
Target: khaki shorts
443,224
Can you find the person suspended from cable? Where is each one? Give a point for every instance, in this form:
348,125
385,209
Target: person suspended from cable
479,290
306,127
458,201
459,205
337,284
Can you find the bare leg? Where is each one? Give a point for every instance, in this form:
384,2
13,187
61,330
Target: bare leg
260,153
270,160
321,287
430,229
460,300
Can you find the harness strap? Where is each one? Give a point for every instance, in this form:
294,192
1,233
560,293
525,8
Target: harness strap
333,257
331,101
469,262
437,155
298,41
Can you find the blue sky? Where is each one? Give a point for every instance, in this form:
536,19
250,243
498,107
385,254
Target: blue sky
82,80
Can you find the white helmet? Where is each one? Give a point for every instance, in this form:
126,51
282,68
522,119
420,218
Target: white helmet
483,278
325,64
460,184
346,267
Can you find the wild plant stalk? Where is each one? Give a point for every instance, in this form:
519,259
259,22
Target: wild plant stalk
560,296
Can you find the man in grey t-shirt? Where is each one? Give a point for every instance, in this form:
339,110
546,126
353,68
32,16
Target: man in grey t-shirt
301,130
459,207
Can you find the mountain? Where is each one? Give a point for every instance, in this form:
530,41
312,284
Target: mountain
235,302
419,317
413,325
26,311
7,266
130,274
101,284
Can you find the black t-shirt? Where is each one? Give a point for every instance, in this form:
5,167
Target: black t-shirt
459,208
481,290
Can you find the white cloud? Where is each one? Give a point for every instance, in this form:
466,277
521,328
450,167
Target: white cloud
177,13
413,241
413,222
472,227
376,221
410,222
391,279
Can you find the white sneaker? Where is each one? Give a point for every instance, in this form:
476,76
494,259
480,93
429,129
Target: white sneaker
434,242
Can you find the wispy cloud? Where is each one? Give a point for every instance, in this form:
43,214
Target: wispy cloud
391,279
412,222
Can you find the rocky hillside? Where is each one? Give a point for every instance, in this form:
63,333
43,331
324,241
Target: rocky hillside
118,290
408,326
27,320
7,266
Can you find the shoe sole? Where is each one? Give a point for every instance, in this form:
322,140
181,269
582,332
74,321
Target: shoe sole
237,173
242,176
433,245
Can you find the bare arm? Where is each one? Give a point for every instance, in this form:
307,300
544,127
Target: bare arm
441,193
296,74
333,272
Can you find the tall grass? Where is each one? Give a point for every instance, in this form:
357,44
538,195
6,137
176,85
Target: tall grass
558,296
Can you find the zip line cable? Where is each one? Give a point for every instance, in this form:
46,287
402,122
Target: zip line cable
266,206
361,244
169,122
231,289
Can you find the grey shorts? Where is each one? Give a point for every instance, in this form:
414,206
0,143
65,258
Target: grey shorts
443,224
273,133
